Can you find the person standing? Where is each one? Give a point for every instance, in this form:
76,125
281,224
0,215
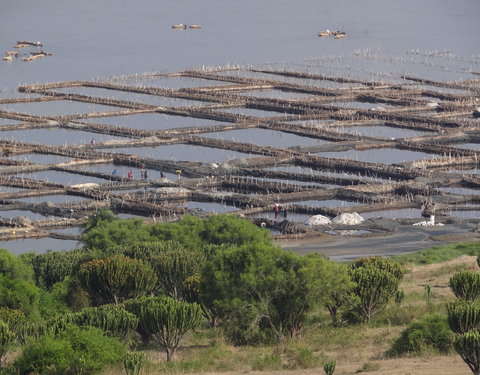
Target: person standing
130,174
276,210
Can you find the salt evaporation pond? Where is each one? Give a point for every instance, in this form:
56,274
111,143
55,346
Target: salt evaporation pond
56,136
265,137
153,121
38,245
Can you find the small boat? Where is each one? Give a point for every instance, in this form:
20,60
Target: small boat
28,43
325,33
179,26
12,53
195,26
20,45
339,34
8,58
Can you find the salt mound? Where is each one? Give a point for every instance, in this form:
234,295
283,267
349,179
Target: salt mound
172,190
89,185
348,219
317,220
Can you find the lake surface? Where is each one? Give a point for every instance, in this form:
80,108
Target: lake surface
91,39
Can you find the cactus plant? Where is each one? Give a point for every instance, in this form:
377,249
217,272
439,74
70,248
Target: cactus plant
133,363
466,285
329,367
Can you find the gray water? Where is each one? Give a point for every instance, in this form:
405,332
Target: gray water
91,39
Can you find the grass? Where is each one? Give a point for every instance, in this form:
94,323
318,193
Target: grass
438,254
362,347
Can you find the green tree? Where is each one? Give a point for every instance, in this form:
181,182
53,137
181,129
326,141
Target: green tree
166,320
463,316
331,284
112,319
174,266
229,229
376,281
259,288
468,346
53,266
7,338
108,233
115,279
466,285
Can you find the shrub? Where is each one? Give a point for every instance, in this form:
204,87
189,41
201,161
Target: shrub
329,367
74,351
133,363
430,334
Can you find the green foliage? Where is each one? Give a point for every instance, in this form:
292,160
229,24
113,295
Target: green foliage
329,367
115,279
112,319
428,292
399,296
466,285
438,254
19,294
430,334
109,233
133,363
73,351
53,266
103,231
166,320
174,266
263,290
270,362
376,281
463,316
331,284
7,338
228,229
468,346
54,301
14,267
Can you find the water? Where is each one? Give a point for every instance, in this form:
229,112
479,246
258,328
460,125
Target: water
91,39
153,121
266,137
56,137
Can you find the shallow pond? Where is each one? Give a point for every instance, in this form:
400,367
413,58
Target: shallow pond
266,137
56,136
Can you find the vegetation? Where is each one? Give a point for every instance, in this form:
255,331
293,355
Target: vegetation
73,351
463,317
431,334
376,281
151,286
166,320
116,279
438,254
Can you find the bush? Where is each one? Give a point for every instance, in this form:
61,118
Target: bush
430,334
74,351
